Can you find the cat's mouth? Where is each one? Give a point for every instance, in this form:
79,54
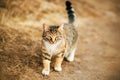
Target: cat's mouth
52,42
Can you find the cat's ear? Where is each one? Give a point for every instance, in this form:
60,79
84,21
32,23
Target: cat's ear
44,27
61,27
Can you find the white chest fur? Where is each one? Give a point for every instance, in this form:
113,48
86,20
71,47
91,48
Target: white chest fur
52,48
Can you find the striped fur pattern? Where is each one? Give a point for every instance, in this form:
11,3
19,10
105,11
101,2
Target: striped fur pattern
60,42
70,12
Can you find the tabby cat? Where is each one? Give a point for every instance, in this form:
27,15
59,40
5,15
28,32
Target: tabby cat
59,41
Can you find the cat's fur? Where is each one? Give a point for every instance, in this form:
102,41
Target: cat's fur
59,41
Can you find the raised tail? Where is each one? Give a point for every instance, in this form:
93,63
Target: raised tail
70,11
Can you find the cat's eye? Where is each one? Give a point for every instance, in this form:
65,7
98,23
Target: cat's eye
48,37
44,37
58,38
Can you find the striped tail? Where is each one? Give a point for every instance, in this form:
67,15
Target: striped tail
70,12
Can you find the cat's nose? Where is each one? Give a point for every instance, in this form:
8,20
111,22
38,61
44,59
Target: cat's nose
53,41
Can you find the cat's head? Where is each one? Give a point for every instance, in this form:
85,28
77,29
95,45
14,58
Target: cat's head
52,34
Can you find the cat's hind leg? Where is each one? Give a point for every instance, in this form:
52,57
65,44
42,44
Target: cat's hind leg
71,55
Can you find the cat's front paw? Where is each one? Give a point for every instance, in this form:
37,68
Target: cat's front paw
45,72
58,68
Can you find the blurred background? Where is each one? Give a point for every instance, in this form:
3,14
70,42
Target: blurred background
98,51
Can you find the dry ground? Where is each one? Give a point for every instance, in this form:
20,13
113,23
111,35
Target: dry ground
98,53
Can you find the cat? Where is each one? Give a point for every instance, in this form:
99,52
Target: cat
59,41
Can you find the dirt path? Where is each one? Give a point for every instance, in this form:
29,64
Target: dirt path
97,56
